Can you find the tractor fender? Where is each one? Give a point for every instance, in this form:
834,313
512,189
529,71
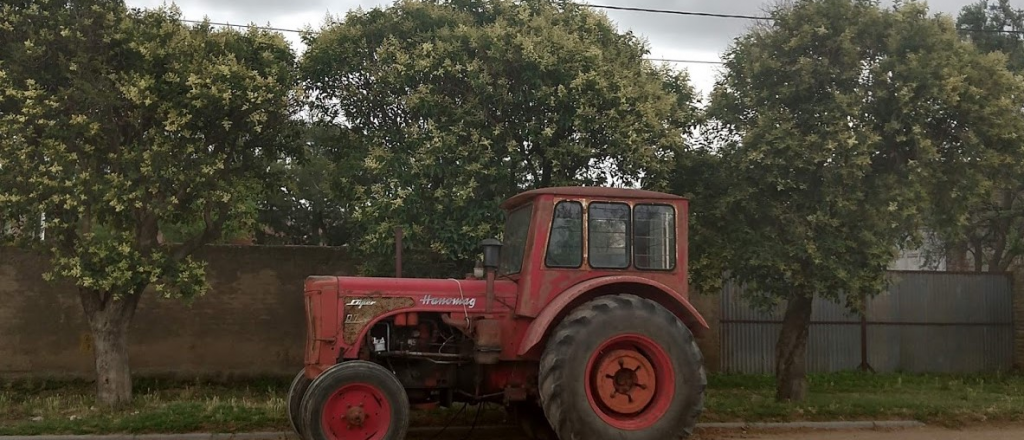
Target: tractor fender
562,304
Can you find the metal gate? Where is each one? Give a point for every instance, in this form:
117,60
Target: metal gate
937,322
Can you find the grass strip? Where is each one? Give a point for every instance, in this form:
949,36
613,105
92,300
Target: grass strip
176,406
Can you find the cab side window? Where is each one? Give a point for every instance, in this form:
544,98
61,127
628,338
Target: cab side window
565,246
654,235
608,226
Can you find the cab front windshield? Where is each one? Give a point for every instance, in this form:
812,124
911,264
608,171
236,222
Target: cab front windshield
513,243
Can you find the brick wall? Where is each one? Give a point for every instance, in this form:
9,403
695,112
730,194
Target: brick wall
249,323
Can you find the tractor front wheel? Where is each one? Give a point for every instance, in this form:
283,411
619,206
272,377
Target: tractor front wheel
622,367
295,393
355,400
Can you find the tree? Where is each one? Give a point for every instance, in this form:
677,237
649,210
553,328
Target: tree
116,124
989,234
457,104
313,205
995,27
831,127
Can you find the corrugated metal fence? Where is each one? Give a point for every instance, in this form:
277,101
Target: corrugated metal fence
937,322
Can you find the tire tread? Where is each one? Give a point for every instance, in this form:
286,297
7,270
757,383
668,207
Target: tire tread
562,338
356,368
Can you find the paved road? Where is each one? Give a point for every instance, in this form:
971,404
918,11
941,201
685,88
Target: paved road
979,433
1014,432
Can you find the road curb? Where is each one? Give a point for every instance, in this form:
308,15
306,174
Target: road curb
191,436
885,424
897,424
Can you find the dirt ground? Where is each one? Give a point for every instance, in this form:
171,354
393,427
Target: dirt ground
1001,432
929,433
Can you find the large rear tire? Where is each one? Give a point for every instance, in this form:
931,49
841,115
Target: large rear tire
355,400
295,393
622,367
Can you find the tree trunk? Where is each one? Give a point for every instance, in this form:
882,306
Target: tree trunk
109,319
113,374
791,351
956,258
979,258
545,173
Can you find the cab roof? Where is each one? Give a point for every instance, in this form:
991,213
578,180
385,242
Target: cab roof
588,191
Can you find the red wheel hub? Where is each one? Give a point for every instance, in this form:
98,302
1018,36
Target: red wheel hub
625,381
357,411
630,382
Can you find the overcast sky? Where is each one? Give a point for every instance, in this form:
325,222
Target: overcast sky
669,36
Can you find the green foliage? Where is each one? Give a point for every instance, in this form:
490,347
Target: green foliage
833,127
996,27
450,106
116,124
989,228
313,205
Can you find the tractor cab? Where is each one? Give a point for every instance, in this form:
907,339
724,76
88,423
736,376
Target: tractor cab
558,237
578,322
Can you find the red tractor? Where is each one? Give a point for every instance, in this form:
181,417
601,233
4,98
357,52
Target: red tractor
579,322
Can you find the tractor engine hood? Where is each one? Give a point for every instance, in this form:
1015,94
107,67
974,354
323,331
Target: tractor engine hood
362,298
340,310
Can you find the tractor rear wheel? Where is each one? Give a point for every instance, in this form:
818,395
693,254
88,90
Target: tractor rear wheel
622,367
295,393
355,400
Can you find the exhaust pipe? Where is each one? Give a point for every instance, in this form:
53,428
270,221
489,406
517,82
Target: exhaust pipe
492,258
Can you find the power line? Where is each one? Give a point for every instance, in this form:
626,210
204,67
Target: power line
669,60
277,29
675,12
244,26
750,17
623,8
991,31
